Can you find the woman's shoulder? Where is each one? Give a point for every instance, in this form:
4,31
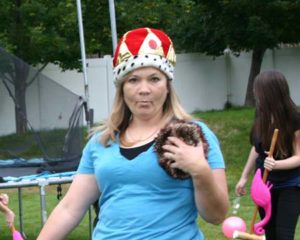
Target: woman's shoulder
207,131
94,139
202,125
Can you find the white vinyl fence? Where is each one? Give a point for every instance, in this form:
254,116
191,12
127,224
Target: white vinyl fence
202,83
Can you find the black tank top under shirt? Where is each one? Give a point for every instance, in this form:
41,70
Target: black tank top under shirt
131,153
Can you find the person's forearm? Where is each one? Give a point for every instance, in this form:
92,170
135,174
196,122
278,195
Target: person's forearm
60,223
211,196
66,216
9,214
249,167
289,163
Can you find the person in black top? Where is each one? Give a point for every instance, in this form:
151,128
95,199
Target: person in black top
276,109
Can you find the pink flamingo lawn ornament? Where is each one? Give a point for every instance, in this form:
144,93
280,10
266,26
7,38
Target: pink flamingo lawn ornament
264,189
16,235
261,196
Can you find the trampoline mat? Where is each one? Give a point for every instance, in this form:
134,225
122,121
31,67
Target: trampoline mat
17,172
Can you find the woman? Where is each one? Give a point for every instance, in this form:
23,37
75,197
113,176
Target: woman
9,214
137,198
275,109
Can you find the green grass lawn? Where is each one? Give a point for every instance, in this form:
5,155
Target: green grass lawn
232,128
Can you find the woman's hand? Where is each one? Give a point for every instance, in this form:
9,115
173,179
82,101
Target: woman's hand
240,187
186,157
269,163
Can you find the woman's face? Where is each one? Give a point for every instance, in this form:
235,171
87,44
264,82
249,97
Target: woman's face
145,91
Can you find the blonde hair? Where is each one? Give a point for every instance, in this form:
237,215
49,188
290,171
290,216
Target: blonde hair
120,116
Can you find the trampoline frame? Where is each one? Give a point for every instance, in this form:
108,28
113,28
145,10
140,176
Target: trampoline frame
40,182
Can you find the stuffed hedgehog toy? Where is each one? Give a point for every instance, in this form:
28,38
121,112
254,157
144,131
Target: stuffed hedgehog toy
188,132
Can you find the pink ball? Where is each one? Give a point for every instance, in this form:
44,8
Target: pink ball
232,224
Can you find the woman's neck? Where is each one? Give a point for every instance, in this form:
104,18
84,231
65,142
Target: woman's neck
141,131
146,121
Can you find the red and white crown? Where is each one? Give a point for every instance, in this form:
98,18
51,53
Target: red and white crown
144,47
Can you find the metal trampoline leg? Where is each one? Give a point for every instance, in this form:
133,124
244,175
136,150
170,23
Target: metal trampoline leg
21,210
91,222
42,185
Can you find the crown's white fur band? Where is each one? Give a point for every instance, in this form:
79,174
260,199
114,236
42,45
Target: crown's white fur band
138,61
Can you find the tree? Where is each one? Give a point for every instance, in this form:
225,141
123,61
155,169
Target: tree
214,25
37,32
46,31
132,14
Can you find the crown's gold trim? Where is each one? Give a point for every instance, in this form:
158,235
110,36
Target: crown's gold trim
125,54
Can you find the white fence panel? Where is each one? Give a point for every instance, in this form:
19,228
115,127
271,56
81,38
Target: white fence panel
202,83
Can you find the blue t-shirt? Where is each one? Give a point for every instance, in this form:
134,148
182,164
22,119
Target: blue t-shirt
139,200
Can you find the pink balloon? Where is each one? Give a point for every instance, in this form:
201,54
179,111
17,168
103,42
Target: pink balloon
232,224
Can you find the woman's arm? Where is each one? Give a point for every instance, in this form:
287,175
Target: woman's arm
288,163
9,214
69,212
211,194
248,169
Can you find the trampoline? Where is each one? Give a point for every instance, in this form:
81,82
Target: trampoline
54,117
41,181
48,153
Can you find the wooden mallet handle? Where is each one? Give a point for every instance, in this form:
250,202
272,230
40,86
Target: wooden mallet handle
272,148
244,235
